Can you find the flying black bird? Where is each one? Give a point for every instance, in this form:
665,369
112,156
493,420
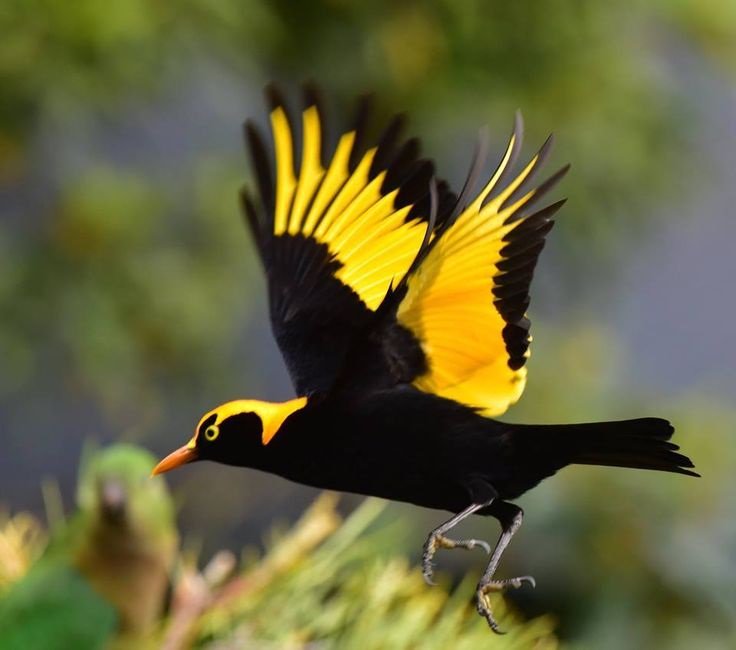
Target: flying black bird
400,309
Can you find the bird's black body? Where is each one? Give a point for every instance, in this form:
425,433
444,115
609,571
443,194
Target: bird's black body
400,309
405,445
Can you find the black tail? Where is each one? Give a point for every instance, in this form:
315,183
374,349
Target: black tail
642,443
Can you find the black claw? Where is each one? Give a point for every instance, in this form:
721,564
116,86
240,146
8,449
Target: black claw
470,544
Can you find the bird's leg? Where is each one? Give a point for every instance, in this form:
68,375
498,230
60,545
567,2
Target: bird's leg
437,539
509,516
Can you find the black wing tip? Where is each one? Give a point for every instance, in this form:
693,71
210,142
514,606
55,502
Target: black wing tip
261,162
434,201
359,126
401,119
542,156
540,191
555,178
414,188
392,133
520,253
530,232
249,211
254,220
518,128
245,196
362,111
311,95
545,149
399,169
539,159
515,142
250,130
518,134
387,144
525,221
274,97
553,208
480,154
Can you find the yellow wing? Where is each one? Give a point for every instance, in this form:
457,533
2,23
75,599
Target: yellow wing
350,205
466,302
333,235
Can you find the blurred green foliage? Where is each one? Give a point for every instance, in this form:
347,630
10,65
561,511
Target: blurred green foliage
130,299
105,571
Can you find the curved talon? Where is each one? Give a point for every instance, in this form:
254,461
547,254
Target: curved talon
495,586
529,580
483,544
516,583
484,610
437,541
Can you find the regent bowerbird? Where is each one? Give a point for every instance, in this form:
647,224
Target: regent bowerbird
401,312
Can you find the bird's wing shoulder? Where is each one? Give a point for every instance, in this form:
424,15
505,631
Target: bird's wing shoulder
333,231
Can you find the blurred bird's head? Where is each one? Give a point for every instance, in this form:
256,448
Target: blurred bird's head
115,489
231,431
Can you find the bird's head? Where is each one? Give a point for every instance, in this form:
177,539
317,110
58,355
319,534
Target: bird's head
224,433
114,492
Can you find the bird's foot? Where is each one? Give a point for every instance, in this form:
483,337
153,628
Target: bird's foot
437,541
482,603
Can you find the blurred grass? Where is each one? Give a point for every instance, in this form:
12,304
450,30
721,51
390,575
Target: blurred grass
22,540
324,583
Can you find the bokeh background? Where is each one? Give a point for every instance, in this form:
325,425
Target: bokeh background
131,300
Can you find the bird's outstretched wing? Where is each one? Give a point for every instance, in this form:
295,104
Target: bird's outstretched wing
466,301
333,231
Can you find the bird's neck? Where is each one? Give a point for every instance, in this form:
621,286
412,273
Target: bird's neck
271,414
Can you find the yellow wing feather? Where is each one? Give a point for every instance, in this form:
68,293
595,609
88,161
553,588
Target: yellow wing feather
346,210
449,303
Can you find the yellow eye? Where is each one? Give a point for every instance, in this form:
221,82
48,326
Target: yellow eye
211,432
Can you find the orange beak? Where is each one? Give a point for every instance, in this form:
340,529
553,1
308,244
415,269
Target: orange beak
175,459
